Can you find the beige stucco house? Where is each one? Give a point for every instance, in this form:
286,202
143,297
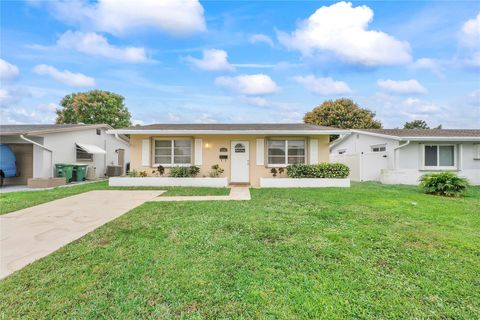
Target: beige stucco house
246,152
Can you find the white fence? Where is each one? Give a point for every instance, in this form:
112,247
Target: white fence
363,166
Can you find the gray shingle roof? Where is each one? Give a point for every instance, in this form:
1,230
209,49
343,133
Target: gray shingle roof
230,126
15,129
426,132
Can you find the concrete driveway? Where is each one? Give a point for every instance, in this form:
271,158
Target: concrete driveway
30,234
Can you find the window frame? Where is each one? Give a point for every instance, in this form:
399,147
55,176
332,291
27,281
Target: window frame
285,164
378,146
341,151
438,167
77,159
172,152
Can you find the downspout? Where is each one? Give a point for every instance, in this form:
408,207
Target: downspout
44,148
395,162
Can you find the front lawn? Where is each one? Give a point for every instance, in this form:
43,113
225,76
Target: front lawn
13,201
370,251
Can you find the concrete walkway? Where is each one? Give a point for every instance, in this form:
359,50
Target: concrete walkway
236,193
30,234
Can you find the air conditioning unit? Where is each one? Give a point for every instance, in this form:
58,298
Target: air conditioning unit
114,171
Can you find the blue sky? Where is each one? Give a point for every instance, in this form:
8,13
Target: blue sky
212,61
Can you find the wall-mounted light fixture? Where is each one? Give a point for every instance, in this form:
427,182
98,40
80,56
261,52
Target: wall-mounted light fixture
207,145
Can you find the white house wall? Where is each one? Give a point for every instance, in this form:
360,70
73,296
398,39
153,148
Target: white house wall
64,149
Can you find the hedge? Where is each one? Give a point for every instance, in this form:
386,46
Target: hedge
443,184
321,170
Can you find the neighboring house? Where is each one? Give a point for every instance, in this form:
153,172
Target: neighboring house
39,147
401,156
246,152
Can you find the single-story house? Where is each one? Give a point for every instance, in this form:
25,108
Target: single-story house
38,147
401,156
246,152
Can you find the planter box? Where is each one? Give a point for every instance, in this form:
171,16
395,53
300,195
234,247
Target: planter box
167,182
303,183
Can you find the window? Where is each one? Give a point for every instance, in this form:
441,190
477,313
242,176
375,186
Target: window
439,156
342,151
379,148
99,132
82,155
476,151
239,148
283,152
173,152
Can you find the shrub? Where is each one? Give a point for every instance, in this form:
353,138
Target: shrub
443,184
133,173
142,174
216,171
321,170
184,172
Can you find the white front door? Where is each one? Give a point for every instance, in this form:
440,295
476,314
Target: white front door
240,163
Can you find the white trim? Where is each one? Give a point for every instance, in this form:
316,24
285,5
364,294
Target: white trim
90,148
476,151
313,151
198,152
303,183
223,132
417,138
146,152
260,152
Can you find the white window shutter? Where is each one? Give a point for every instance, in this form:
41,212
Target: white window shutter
260,152
313,151
146,152
198,152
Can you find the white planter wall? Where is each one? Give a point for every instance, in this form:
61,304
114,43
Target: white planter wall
167,182
303,183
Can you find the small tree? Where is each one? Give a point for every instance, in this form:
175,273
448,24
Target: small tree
418,124
342,113
94,107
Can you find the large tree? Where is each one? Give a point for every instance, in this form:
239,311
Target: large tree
418,124
94,107
342,113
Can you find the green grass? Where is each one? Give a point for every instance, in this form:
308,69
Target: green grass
368,252
13,201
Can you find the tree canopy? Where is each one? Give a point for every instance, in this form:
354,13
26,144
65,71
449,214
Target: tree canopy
418,124
342,113
94,107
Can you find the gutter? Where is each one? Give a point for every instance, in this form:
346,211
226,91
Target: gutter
395,153
120,139
44,148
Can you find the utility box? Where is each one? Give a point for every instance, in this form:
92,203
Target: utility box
114,171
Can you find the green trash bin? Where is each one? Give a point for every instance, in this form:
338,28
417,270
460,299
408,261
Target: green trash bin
79,172
64,170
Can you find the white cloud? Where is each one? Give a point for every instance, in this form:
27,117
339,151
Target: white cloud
342,30
94,44
470,33
323,86
428,64
417,107
8,70
248,84
176,17
213,60
470,39
402,87
65,76
261,38
255,101
12,95
43,113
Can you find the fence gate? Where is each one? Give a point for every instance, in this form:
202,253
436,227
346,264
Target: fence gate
364,166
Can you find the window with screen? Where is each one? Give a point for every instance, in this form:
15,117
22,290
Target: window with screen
284,152
83,155
173,152
439,156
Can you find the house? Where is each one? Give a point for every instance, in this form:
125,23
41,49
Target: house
246,152
401,156
38,147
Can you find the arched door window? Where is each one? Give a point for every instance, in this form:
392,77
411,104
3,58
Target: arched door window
239,148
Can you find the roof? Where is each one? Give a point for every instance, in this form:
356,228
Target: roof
425,134
231,128
39,129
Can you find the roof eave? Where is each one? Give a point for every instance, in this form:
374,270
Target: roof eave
446,139
220,132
